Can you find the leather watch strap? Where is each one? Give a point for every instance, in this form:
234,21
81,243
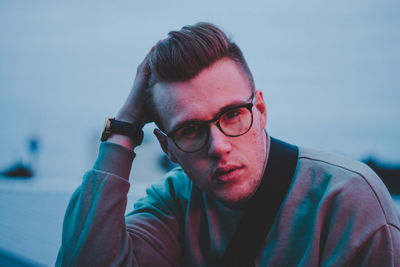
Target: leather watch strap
113,126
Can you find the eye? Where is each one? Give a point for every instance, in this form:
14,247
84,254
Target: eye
232,115
188,132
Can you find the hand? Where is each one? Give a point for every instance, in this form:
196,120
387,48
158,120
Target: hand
134,108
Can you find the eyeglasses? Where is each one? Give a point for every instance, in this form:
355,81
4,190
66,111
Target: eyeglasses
193,136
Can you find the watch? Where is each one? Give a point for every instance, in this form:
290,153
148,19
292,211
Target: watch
113,126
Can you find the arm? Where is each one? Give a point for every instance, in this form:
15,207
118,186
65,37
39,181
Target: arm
134,109
364,224
381,249
94,230
94,220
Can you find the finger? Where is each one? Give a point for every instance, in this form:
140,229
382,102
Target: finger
144,66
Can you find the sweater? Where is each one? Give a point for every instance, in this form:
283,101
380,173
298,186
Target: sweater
337,212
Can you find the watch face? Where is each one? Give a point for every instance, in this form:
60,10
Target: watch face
105,135
106,131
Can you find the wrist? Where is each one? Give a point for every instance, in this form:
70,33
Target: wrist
122,140
122,132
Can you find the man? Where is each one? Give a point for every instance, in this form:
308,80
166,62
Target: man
199,90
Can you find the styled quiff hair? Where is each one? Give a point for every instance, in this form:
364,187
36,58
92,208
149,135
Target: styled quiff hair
185,53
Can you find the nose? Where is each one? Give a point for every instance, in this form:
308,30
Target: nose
218,143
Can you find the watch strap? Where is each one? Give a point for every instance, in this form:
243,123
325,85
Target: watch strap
113,126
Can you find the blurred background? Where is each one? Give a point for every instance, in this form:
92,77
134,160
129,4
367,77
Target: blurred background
329,71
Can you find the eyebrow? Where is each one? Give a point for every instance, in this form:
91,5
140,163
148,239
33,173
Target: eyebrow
217,114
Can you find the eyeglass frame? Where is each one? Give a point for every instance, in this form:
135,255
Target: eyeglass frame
215,120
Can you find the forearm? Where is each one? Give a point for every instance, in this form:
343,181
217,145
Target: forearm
94,230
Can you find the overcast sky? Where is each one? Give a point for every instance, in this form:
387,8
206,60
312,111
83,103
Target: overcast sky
329,70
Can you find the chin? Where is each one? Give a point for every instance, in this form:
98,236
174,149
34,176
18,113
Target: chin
233,197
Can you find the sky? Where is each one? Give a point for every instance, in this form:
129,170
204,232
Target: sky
329,70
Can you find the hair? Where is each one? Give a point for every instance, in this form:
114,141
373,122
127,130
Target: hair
185,53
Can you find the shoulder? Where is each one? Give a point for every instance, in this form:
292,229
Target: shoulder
311,158
346,184
338,170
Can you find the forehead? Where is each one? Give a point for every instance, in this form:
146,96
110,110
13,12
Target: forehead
223,83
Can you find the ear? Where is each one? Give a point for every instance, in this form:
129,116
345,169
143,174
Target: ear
260,106
163,140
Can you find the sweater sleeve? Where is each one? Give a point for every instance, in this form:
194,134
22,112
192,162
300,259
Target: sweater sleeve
95,231
381,249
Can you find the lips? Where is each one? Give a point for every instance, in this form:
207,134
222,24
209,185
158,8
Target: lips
227,173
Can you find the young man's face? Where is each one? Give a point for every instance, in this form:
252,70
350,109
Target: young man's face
227,168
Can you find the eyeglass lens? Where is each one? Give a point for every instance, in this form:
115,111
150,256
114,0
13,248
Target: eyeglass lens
232,123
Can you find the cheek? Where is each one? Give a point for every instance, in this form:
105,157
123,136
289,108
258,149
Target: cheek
192,165
197,171
254,145
256,133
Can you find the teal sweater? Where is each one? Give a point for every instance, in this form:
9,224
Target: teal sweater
336,213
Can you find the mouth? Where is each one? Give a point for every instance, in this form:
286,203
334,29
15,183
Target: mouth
226,174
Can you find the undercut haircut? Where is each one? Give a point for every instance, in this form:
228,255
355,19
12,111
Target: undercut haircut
185,53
